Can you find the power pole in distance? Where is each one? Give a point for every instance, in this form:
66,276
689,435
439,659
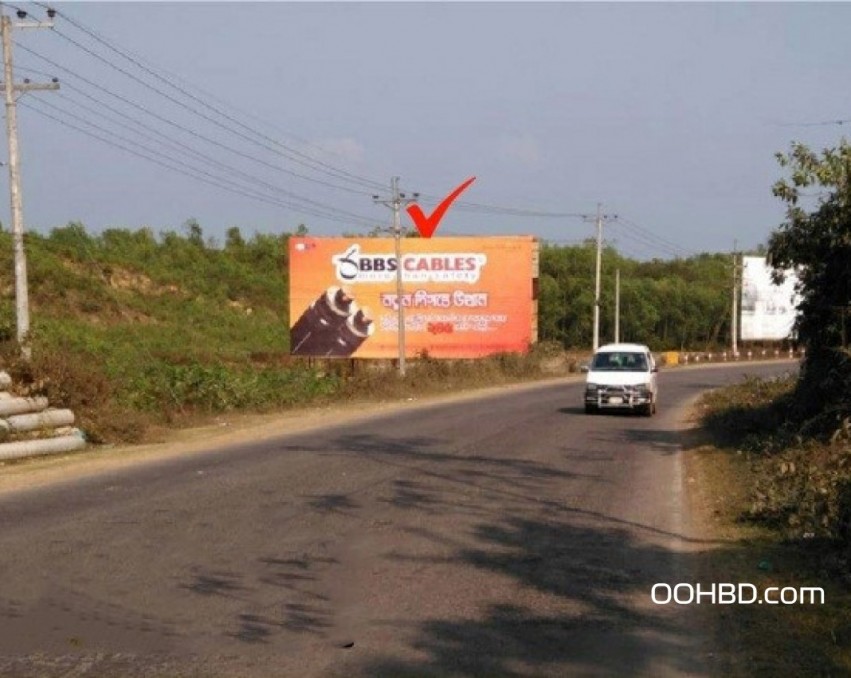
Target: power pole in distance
22,305
734,320
617,306
395,203
599,219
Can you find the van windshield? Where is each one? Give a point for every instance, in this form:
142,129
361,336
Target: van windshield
619,362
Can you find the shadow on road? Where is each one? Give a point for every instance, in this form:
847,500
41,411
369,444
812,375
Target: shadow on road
587,623
590,574
560,589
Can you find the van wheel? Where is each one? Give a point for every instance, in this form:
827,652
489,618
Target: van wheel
590,409
648,409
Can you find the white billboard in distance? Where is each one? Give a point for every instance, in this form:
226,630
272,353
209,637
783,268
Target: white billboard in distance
768,310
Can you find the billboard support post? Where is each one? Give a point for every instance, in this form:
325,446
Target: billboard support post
734,330
395,203
400,311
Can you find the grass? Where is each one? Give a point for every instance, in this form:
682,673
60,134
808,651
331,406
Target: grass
775,498
135,330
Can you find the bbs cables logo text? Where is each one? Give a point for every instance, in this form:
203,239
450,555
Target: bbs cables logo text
356,266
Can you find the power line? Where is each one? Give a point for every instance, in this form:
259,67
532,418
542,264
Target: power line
648,245
823,123
650,251
194,173
171,123
306,160
149,67
459,206
655,240
648,239
165,140
510,211
206,117
266,142
209,140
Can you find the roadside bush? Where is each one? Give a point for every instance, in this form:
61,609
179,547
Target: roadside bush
79,383
822,398
800,476
192,388
755,415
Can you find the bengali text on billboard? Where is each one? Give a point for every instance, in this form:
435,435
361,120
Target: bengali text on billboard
461,298
768,310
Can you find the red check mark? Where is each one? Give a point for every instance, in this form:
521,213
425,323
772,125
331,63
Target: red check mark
427,225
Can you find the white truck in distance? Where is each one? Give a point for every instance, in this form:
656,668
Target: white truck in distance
621,376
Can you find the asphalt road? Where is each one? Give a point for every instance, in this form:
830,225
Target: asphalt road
506,536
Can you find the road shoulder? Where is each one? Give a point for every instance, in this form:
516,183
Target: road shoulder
232,429
756,639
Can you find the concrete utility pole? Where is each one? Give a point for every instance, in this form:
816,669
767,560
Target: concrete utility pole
395,203
599,219
22,305
617,306
734,320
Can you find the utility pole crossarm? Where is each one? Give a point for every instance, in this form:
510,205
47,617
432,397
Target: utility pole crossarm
35,86
33,24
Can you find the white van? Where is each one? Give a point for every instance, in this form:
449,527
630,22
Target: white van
621,376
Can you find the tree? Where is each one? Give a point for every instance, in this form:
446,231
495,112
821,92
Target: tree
817,243
234,242
194,232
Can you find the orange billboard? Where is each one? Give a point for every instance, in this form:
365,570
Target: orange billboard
461,297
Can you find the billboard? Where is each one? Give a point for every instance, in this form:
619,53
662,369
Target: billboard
461,297
768,310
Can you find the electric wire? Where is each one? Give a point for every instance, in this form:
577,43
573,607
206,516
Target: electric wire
185,149
460,205
648,235
190,171
202,115
649,245
163,119
301,158
823,123
204,137
282,149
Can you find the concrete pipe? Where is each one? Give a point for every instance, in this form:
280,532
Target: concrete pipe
40,420
10,406
34,448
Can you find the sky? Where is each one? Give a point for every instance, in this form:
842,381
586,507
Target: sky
269,115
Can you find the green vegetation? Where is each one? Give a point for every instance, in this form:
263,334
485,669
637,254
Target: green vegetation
678,304
799,482
788,442
131,328
779,498
799,433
